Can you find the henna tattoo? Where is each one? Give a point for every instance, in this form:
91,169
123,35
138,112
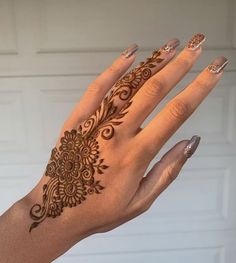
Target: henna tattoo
72,166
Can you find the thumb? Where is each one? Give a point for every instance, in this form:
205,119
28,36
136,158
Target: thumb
163,174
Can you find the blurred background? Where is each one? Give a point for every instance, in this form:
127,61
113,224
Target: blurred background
50,50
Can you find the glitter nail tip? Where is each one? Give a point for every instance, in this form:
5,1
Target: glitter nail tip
128,52
218,65
196,41
192,146
170,45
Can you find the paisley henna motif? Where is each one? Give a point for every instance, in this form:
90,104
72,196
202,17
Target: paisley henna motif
72,166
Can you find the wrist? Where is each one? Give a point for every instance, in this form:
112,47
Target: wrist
54,237
66,225
68,221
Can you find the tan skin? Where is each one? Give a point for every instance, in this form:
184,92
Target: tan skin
127,193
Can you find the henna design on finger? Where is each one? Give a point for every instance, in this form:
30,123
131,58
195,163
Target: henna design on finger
72,167
108,114
132,80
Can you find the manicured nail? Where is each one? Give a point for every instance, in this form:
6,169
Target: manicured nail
196,41
170,45
217,65
130,50
192,146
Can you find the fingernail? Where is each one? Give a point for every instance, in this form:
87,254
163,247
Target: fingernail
170,45
196,41
217,65
128,52
192,146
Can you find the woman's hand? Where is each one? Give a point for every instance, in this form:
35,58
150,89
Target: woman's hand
94,180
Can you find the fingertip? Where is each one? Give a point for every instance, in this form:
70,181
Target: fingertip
130,51
181,151
125,59
192,145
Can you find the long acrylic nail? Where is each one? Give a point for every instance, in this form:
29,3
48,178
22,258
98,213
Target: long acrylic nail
192,146
196,41
170,45
128,52
217,65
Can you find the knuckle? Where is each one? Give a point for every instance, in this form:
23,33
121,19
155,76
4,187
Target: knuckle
170,175
178,109
114,70
202,84
96,87
140,207
93,87
183,62
145,207
154,87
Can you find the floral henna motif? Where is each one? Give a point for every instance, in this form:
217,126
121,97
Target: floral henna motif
71,170
72,166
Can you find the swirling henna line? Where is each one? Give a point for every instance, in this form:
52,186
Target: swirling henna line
36,209
106,132
104,115
146,73
34,213
39,212
124,92
89,125
49,191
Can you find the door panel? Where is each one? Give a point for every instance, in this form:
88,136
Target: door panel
50,51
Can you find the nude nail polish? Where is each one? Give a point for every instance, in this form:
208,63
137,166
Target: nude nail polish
196,41
192,146
170,45
217,65
128,52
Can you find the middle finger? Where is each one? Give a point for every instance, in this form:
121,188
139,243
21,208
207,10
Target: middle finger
157,87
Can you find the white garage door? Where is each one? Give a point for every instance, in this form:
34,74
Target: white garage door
51,49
